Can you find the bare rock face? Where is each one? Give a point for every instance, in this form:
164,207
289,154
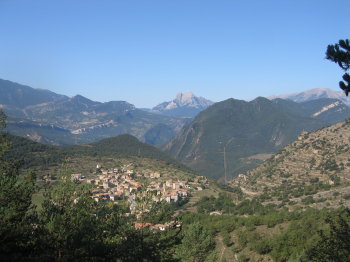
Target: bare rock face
184,104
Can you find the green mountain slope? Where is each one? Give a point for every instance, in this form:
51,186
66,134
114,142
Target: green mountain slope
244,129
38,155
159,134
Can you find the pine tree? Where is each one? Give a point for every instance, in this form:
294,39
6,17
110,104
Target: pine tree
340,54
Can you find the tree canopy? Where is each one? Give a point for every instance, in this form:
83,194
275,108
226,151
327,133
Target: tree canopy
340,54
335,244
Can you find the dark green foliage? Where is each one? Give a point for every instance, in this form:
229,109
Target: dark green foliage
38,155
335,179
340,54
288,190
297,235
243,258
262,246
160,212
2,120
222,203
196,245
71,226
308,200
226,238
17,216
234,189
329,164
334,244
242,239
76,228
226,204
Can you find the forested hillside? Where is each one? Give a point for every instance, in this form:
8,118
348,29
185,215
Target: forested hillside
242,132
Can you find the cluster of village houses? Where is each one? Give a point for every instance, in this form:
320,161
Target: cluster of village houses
121,183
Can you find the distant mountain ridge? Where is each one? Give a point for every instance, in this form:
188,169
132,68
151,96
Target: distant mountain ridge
244,130
184,104
313,94
325,109
47,117
16,95
257,127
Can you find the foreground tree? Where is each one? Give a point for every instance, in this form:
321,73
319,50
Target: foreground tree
334,244
197,244
18,221
71,225
340,54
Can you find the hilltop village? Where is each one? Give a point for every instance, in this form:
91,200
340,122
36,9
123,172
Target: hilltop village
123,183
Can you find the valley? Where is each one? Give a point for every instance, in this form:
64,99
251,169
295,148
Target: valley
174,131
273,168
247,218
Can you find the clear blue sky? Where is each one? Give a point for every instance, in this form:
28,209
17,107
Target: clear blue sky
146,51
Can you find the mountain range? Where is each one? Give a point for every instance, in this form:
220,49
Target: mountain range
232,135
314,94
242,134
44,116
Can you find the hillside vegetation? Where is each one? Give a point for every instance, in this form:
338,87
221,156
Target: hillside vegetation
220,222
40,156
313,169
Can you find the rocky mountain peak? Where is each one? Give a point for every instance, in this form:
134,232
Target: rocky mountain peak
184,104
184,98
